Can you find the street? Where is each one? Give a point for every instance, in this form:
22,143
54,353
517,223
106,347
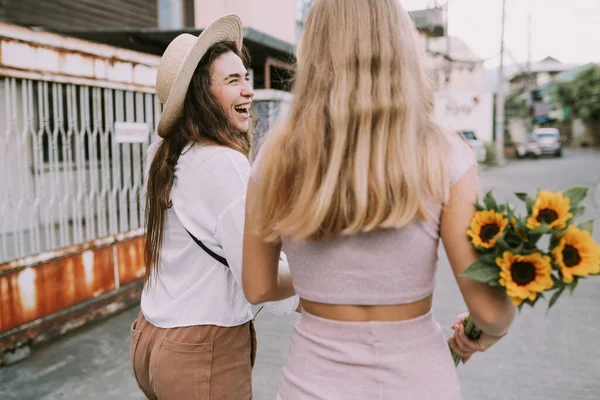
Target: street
549,356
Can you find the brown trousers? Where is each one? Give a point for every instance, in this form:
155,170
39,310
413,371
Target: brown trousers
204,362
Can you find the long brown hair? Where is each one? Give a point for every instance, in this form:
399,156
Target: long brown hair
203,121
360,149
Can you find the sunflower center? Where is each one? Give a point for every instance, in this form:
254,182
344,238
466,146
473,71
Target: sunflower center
571,256
489,231
547,216
522,273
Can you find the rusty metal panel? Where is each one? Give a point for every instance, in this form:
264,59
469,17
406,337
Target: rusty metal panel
25,53
130,260
23,56
32,292
59,323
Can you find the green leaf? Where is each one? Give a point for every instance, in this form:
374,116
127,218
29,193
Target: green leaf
490,201
503,244
478,207
554,240
571,286
514,241
482,271
522,196
532,240
558,283
529,203
521,225
576,195
471,330
541,230
587,226
555,297
578,211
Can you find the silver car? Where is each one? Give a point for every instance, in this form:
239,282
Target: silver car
549,141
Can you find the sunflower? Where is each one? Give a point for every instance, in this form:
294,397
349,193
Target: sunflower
551,208
524,276
486,227
576,254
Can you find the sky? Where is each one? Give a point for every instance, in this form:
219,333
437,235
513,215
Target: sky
568,30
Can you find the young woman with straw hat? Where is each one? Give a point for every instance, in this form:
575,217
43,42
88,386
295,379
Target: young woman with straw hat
359,185
194,337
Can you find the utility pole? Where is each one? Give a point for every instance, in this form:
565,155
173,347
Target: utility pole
528,82
500,97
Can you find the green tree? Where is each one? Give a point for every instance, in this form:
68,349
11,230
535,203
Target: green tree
582,95
516,105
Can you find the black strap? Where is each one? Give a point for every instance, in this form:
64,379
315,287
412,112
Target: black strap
217,257
211,253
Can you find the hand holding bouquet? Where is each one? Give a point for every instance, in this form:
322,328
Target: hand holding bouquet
511,258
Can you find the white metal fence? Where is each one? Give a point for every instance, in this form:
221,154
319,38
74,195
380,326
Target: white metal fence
63,178
269,106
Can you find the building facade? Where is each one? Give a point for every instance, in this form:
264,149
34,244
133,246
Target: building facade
98,14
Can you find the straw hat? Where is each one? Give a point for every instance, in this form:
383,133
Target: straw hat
180,60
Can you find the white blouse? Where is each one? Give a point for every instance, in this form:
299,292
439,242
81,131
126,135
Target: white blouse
192,288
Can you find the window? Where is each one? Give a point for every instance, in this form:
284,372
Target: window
170,14
469,135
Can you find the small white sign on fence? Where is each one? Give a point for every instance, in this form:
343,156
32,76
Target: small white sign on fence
131,132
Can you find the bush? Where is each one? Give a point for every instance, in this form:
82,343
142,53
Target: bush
490,153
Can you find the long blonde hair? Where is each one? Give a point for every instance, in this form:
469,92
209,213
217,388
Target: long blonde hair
359,150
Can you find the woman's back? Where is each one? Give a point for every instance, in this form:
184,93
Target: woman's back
383,267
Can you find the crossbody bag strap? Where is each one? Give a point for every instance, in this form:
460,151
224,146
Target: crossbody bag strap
211,253
217,257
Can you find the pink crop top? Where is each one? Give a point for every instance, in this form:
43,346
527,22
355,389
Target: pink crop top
377,268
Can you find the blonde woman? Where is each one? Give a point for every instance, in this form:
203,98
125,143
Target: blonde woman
358,185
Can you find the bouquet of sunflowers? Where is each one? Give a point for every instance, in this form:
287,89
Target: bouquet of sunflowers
512,258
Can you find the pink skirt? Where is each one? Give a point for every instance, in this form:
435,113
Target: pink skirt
330,360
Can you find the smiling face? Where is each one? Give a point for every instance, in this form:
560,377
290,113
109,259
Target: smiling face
231,88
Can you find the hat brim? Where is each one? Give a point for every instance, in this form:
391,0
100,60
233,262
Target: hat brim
225,29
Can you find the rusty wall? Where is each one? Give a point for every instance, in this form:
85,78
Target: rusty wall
36,287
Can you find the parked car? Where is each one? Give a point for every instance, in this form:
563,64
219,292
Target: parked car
530,148
542,141
477,145
549,141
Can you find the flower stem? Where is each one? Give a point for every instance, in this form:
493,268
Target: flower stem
472,332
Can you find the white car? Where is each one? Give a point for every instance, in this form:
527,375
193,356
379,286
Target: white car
476,145
529,148
549,140
542,141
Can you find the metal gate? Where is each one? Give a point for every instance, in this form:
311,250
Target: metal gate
65,180
71,218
